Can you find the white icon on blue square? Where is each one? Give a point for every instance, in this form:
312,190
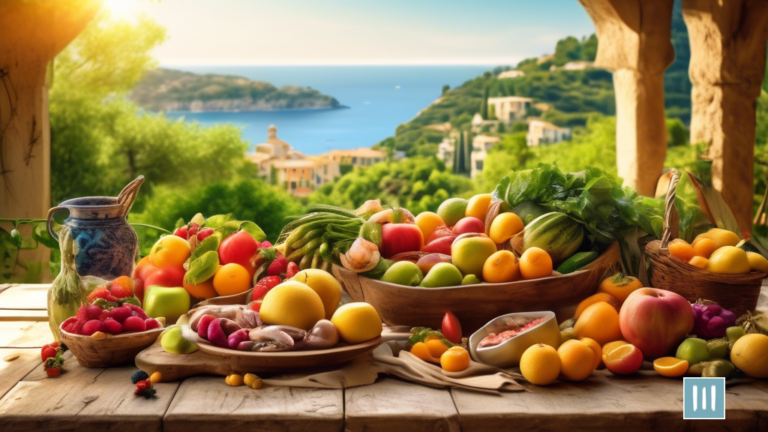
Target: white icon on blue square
703,398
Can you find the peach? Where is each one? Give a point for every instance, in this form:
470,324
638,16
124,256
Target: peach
623,360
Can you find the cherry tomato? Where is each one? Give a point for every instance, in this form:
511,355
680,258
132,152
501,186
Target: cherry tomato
451,328
238,248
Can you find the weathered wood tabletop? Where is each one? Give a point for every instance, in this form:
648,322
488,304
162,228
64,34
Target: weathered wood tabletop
102,399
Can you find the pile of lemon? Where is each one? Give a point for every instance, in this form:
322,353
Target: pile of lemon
312,295
716,251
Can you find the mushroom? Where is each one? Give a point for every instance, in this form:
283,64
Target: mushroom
361,256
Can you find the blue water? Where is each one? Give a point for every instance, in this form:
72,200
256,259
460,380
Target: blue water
376,104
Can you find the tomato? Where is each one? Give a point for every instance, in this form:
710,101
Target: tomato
238,248
451,328
170,277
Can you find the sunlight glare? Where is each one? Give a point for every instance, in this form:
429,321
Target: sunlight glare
121,8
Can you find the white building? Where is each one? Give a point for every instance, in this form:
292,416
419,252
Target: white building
511,74
445,151
509,109
541,132
481,145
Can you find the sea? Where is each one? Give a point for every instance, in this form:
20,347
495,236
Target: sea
378,99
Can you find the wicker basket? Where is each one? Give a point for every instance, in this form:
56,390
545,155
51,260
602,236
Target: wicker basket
111,351
735,292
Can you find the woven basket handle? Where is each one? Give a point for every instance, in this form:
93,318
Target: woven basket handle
671,217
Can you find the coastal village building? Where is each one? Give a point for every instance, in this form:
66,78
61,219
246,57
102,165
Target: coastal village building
541,132
481,145
511,74
281,165
509,109
445,150
361,157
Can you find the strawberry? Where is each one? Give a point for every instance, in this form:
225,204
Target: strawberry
292,269
53,365
104,315
278,265
134,324
266,244
121,287
110,298
204,234
92,327
255,305
119,314
53,372
48,351
69,325
137,311
151,323
181,232
144,388
99,292
112,326
192,229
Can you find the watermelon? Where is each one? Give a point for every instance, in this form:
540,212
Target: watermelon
556,233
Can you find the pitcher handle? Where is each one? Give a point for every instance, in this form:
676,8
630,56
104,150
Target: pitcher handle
50,218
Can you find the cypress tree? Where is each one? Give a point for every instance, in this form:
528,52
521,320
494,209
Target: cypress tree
468,153
484,107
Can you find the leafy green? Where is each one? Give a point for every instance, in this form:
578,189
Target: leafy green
592,197
202,269
211,243
254,230
423,334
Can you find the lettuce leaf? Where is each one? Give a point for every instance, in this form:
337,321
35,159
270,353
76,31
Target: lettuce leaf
592,197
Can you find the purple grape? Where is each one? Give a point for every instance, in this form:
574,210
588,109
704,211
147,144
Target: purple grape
710,321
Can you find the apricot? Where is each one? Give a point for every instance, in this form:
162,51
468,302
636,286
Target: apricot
501,267
704,247
535,263
455,359
680,249
577,360
596,298
600,322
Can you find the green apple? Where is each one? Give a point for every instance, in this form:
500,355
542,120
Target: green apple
173,342
403,273
470,279
442,275
170,303
694,350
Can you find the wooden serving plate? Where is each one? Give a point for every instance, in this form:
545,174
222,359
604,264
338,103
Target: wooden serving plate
475,305
213,360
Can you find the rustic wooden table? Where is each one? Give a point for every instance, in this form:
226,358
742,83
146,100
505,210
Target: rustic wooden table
102,399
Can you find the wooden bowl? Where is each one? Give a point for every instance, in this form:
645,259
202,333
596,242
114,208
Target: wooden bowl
112,350
475,305
288,361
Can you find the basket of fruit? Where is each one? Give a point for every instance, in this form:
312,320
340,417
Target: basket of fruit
716,266
104,334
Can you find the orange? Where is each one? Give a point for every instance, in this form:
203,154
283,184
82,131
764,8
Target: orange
170,251
231,279
619,286
203,290
610,346
577,360
477,206
596,298
428,222
535,263
704,247
422,352
540,364
600,322
670,367
436,347
596,348
455,359
699,262
501,267
504,227
680,249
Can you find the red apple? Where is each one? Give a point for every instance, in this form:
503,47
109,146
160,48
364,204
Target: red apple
170,277
441,231
655,320
426,262
440,246
400,237
469,224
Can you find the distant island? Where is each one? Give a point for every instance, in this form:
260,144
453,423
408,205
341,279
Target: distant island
174,90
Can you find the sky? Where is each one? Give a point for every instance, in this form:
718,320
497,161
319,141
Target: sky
360,32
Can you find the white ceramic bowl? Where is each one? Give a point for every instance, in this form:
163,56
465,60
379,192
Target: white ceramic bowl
507,354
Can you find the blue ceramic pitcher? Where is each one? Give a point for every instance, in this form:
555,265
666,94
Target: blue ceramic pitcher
105,244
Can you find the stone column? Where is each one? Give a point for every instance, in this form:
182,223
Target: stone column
634,42
728,40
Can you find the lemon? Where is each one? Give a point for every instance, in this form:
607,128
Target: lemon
749,354
728,260
293,304
540,364
356,322
757,262
325,285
